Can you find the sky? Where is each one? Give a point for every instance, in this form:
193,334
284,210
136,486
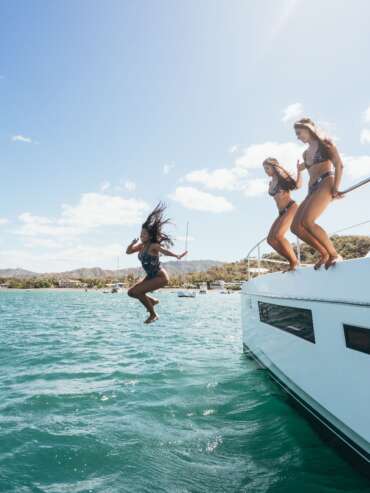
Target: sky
109,107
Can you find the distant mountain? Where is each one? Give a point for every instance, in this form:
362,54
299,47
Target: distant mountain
173,268
17,273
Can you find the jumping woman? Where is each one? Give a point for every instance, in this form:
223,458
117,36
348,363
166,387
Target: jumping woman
279,188
151,244
320,157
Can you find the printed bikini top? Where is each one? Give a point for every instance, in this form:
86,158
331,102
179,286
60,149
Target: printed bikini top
277,188
319,157
274,190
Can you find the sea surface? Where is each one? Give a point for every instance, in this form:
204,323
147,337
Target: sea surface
92,400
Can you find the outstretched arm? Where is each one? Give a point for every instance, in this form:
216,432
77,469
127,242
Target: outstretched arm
168,253
134,246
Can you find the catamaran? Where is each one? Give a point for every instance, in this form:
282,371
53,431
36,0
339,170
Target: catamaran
311,331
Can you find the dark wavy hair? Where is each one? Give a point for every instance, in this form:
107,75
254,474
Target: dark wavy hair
285,179
155,223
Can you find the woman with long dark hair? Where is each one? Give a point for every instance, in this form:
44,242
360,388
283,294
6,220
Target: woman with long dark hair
320,157
153,241
280,187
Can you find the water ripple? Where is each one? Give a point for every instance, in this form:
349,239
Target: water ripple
95,401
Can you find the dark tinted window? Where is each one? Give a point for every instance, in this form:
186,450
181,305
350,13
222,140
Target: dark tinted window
297,321
357,338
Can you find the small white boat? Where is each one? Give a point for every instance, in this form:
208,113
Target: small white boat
117,287
186,294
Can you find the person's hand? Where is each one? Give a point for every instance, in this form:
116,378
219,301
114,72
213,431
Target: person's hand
336,194
179,257
135,240
300,166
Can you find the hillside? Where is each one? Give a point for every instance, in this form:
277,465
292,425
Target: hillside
181,273
174,268
349,246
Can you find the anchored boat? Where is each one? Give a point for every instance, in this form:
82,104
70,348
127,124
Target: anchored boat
311,330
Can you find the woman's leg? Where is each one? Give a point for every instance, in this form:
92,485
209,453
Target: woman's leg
141,289
320,200
280,230
145,300
299,230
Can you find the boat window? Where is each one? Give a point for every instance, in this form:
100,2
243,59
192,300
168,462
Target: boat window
296,321
357,338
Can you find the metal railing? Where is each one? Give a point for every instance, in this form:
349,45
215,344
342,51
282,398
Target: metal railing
258,245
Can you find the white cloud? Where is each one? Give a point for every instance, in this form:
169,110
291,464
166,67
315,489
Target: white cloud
218,179
37,225
3,220
365,136
237,178
105,186
256,186
167,168
41,242
89,255
367,115
21,138
130,185
292,112
357,166
286,153
94,210
192,198
80,255
233,149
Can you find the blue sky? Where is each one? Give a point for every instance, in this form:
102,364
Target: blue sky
108,107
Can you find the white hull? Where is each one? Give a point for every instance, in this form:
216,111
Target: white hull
306,350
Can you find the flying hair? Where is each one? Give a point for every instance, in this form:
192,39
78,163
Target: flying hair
155,223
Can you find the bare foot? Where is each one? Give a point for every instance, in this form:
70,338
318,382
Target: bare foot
322,260
332,260
292,267
152,318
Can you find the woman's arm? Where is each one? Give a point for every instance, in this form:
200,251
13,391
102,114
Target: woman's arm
134,246
168,253
300,168
338,166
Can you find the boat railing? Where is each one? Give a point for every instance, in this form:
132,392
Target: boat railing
258,259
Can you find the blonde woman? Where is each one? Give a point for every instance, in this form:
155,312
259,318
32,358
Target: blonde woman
325,169
279,188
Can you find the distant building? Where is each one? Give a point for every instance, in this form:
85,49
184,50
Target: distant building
71,283
233,284
219,284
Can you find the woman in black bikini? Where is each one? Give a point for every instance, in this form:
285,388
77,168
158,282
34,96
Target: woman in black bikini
151,244
279,188
319,159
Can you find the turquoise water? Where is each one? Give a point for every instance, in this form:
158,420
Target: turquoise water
92,400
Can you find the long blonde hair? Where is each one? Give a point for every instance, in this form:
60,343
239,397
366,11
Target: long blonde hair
323,140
